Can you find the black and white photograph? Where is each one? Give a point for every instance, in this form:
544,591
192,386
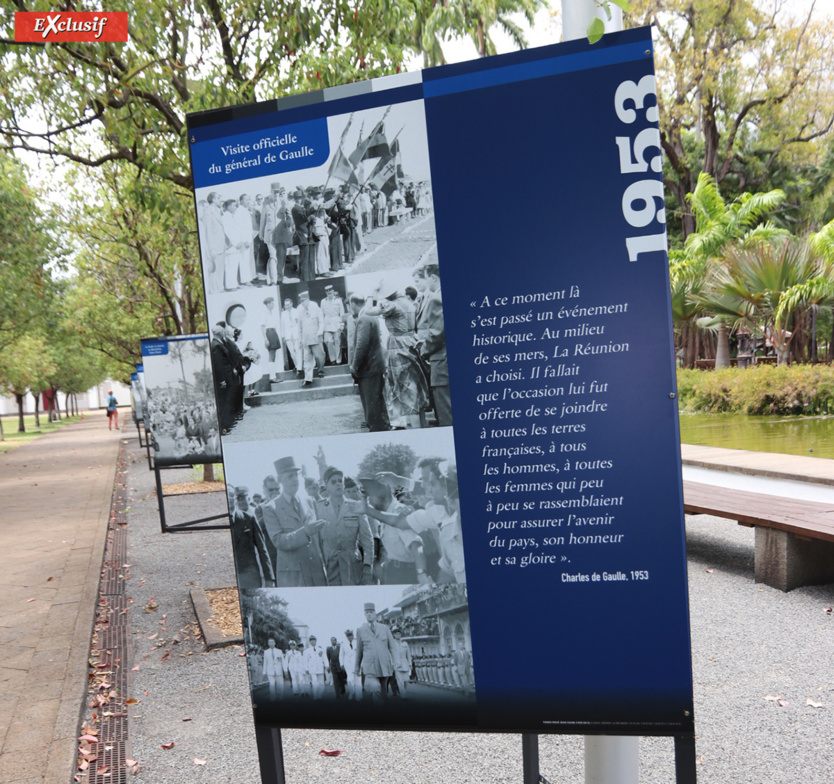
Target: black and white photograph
368,208
378,509
180,410
370,653
136,400
139,389
361,353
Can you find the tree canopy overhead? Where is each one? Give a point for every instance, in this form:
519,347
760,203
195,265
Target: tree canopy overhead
742,84
97,102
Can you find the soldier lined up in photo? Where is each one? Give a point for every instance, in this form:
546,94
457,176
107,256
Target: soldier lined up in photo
263,239
339,531
377,661
179,427
402,378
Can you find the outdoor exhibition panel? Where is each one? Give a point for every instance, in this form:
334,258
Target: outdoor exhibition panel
179,400
496,516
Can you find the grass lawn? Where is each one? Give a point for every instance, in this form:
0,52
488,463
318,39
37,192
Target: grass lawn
13,438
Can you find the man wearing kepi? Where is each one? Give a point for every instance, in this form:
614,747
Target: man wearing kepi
346,538
293,529
374,654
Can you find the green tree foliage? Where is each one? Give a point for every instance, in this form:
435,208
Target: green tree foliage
398,458
25,364
717,225
475,18
27,249
741,86
127,102
772,285
268,618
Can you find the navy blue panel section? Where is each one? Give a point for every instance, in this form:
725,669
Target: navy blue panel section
154,348
529,199
140,368
532,70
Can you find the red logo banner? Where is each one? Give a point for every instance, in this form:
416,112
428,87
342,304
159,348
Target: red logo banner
72,26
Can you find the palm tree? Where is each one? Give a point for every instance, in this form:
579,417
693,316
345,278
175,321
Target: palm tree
773,286
435,20
717,226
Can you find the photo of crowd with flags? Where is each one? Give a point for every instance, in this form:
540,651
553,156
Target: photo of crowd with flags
318,222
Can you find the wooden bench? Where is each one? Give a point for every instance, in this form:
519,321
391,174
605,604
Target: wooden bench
794,538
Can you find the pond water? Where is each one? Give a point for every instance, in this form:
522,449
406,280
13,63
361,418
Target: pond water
811,436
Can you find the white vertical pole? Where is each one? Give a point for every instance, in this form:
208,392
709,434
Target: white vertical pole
612,759
608,759
577,15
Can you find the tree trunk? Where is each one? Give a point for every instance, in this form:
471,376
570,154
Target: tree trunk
2,433
208,472
722,351
37,395
21,426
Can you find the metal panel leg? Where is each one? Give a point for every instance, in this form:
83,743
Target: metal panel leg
270,754
530,757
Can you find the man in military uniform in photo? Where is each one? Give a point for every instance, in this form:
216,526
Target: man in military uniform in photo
332,312
310,331
374,654
347,661
346,538
294,531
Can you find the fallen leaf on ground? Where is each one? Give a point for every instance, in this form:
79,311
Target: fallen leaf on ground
89,738
199,761
781,703
130,762
328,753
132,701
813,704
772,698
709,571
31,600
134,669
167,746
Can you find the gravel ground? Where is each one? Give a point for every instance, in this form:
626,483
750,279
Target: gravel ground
749,642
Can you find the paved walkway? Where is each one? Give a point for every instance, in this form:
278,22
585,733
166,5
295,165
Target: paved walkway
793,467
55,506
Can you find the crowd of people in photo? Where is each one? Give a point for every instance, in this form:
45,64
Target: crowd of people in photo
393,340
180,427
375,663
302,234
339,530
